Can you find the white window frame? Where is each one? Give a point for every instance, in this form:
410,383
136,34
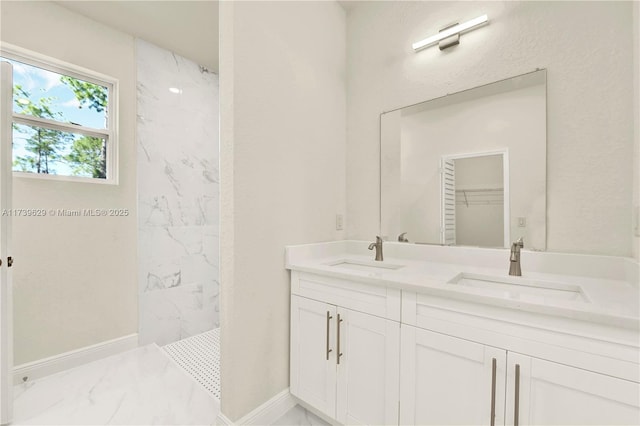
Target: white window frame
28,57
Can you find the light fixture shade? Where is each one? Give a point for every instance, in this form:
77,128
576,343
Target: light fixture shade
456,29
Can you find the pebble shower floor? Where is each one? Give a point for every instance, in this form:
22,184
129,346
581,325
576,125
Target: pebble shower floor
199,356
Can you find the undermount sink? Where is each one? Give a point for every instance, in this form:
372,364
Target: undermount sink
364,265
520,288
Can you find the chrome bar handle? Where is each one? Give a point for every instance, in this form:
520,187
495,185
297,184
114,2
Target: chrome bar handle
329,317
493,391
516,409
338,349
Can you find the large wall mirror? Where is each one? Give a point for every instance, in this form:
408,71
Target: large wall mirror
468,168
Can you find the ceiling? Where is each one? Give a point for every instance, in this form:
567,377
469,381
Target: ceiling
188,28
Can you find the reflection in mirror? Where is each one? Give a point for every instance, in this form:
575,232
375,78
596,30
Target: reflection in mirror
472,199
468,168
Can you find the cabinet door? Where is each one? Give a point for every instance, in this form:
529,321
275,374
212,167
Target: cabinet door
549,393
368,369
313,361
445,380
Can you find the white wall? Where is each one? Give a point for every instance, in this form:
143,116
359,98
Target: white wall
479,172
178,194
282,94
75,277
589,100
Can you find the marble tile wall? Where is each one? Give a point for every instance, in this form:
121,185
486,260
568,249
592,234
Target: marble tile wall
178,196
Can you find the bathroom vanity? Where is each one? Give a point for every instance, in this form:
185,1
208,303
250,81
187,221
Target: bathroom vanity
443,335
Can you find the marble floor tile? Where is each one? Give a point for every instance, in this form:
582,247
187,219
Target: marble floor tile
139,387
299,416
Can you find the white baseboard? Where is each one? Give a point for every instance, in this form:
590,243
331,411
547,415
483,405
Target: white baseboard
266,413
64,361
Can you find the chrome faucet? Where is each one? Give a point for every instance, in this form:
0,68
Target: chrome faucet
378,246
514,258
403,238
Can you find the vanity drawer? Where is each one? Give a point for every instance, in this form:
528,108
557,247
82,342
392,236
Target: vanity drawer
601,348
371,299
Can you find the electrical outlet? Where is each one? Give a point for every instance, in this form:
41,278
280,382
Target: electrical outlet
339,222
522,222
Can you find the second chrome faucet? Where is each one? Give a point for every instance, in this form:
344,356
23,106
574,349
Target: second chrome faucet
514,258
378,246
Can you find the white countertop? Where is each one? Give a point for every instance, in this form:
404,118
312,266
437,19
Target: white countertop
611,289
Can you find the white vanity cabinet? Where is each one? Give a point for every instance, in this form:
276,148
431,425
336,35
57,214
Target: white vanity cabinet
549,393
573,373
446,380
313,361
368,371
345,362
364,352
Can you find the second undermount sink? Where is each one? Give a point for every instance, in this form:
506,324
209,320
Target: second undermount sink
520,288
364,265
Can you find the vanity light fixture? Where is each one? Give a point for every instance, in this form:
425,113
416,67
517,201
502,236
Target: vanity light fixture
452,32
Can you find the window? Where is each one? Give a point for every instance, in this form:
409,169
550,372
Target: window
63,120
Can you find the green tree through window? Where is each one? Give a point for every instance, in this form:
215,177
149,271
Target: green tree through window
47,139
88,157
43,144
87,154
